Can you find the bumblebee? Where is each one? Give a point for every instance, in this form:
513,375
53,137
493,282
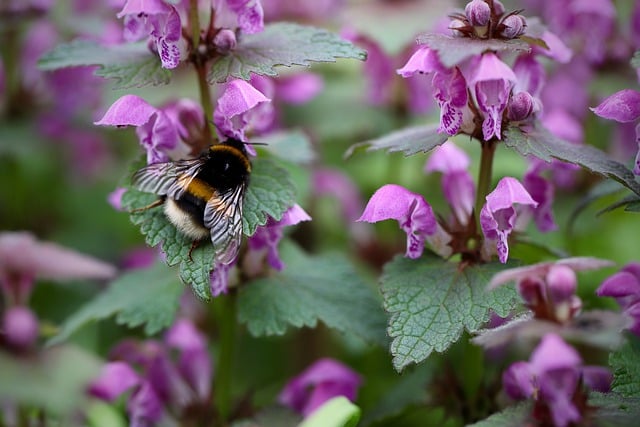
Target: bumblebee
203,197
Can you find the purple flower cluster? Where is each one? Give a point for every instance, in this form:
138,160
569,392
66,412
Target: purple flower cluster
456,235
163,24
482,88
167,379
555,378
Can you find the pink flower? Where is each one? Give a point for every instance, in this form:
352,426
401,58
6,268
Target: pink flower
498,216
413,213
232,115
325,379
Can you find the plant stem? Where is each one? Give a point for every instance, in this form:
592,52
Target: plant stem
484,176
225,311
201,70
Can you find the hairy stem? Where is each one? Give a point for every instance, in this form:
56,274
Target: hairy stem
484,176
225,310
201,70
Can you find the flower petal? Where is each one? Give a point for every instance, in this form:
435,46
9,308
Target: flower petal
128,110
622,106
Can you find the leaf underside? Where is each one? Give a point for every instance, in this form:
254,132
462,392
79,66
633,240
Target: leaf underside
409,141
128,65
431,302
538,142
453,50
626,368
281,44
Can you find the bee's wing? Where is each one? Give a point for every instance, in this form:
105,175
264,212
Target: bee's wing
223,216
167,179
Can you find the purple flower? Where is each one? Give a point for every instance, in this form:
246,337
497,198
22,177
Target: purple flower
220,278
232,115
624,107
169,376
156,19
450,91
325,379
414,215
457,185
552,378
498,216
247,15
478,13
334,182
542,191
491,83
624,286
159,131
20,328
23,259
115,379
299,88
267,237
424,60
549,288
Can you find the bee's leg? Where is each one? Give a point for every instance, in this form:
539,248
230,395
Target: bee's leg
194,245
149,206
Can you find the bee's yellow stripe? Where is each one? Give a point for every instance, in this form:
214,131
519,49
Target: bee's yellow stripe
200,189
233,150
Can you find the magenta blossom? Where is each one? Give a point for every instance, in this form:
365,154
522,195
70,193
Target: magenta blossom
246,15
320,382
624,286
549,288
457,185
491,83
553,378
160,131
498,216
165,378
334,182
413,213
624,107
159,21
233,114
267,237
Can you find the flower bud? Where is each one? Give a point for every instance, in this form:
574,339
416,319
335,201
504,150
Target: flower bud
225,41
531,290
478,13
520,106
514,26
561,283
20,327
498,8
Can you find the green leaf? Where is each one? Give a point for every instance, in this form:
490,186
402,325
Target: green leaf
614,410
539,142
513,416
453,50
409,389
336,412
270,193
626,368
55,379
293,146
410,141
309,289
129,65
283,44
432,301
146,297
